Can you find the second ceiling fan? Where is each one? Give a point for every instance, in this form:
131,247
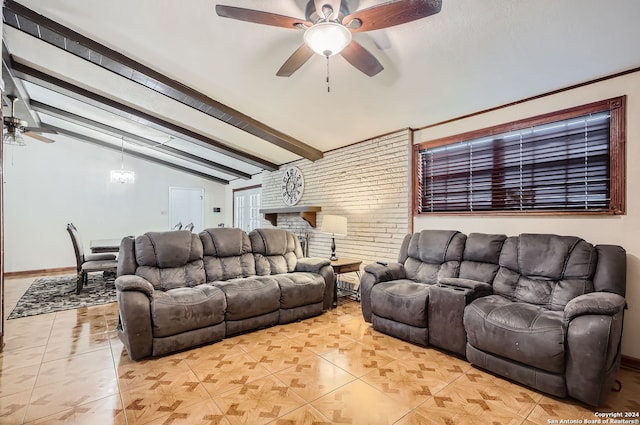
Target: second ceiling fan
15,127
329,26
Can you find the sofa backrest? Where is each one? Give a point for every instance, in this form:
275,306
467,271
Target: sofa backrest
166,259
481,257
227,254
433,254
546,270
275,251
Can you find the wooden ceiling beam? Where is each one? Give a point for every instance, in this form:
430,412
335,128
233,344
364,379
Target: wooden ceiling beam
149,158
50,82
56,34
117,132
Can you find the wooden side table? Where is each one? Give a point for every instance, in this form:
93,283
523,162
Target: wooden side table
340,266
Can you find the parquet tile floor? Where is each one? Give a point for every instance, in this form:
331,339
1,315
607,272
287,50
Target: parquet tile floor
70,368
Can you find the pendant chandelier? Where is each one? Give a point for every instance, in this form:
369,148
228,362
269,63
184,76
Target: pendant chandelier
122,176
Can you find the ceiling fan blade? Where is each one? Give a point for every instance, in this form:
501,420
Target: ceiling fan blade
40,130
295,61
362,59
391,13
259,17
38,137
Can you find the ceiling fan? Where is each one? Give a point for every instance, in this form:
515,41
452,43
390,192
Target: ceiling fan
15,127
329,25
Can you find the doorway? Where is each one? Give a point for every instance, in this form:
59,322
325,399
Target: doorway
246,208
186,205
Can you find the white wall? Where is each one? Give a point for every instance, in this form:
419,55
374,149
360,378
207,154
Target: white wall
49,185
621,230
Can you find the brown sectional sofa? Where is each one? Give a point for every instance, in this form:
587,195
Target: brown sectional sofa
177,290
543,310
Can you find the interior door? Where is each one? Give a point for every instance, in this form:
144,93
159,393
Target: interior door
246,208
186,205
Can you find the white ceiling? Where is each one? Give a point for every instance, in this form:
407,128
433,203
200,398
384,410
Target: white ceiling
471,56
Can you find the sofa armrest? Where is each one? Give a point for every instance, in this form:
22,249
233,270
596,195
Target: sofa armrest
312,265
134,283
385,273
604,303
135,295
373,274
594,336
321,266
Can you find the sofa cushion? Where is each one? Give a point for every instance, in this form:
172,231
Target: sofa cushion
228,267
269,241
274,242
170,260
276,251
436,246
483,248
555,257
480,260
167,249
483,272
402,301
189,275
432,254
225,242
518,331
248,297
184,309
275,264
545,270
298,289
430,273
227,254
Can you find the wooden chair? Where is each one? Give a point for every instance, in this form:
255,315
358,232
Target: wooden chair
89,263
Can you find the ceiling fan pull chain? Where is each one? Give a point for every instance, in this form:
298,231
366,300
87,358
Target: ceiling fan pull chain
328,85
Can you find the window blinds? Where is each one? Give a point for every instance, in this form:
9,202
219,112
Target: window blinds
563,165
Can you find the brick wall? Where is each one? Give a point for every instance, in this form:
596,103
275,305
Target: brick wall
367,182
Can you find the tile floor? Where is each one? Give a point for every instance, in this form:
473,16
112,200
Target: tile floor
70,368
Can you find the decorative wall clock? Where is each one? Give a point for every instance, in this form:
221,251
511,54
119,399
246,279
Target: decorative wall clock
292,185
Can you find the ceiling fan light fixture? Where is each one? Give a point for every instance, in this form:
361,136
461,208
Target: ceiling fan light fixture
13,138
327,38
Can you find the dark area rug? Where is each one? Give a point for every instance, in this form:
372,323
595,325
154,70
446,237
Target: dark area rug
58,293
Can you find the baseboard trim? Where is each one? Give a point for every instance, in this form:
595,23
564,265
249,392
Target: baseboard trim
41,272
630,362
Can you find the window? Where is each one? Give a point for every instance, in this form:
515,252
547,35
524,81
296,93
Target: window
571,161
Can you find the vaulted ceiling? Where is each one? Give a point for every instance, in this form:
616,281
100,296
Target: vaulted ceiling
179,85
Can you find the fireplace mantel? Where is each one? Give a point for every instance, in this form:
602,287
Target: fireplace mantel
308,214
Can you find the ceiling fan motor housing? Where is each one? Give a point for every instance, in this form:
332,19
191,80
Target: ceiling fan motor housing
13,124
311,12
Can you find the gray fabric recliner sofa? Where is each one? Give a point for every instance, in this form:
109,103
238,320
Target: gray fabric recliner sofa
543,310
177,290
